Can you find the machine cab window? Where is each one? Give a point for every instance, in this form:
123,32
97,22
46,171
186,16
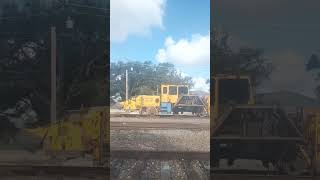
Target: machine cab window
183,90
164,90
173,90
227,93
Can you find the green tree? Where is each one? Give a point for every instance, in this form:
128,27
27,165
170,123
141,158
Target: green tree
313,64
144,77
81,53
249,61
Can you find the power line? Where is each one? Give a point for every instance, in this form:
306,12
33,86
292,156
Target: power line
42,15
20,17
71,4
104,16
90,7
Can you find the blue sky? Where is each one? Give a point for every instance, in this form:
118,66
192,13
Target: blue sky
172,31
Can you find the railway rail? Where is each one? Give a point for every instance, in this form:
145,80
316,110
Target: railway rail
7,170
239,174
259,177
157,116
160,155
115,125
137,164
48,170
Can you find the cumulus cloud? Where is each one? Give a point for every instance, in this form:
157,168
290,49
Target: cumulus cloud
290,75
187,52
136,17
183,74
200,84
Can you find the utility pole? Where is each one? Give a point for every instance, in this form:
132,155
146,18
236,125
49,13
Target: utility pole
126,84
53,105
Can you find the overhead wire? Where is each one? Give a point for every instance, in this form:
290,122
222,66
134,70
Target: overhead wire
90,7
71,4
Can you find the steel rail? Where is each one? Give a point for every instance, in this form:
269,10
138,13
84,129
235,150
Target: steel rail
35,170
157,116
159,155
156,125
259,177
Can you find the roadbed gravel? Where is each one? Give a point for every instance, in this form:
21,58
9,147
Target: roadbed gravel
161,140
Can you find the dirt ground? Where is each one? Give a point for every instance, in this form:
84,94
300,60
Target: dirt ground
161,140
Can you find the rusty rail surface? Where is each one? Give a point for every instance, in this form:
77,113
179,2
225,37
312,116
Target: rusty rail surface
157,116
35,170
160,155
234,174
157,125
259,177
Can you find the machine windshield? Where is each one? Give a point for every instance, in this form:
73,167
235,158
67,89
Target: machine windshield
183,90
172,90
234,90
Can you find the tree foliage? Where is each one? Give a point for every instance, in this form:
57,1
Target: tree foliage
81,54
248,61
143,77
313,64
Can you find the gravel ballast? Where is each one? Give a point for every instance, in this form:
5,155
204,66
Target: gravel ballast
160,140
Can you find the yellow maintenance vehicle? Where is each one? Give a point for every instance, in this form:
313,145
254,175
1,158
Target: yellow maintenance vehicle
143,103
311,131
242,129
173,99
85,131
230,89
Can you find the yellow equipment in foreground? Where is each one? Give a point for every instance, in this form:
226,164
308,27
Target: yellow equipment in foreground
81,132
242,129
207,101
227,90
312,131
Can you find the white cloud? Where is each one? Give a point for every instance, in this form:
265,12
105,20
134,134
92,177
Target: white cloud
134,17
183,74
200,84
290,75
186,52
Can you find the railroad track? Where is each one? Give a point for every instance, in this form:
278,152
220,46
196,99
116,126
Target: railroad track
243,174
175,116
48,170
115,125
185,159
160,155
157,164
259,177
